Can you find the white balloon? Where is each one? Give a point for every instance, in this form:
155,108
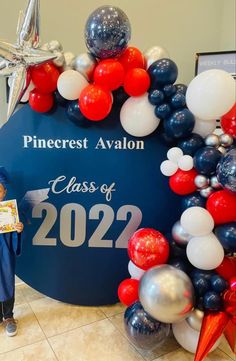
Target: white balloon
134,271
204,127
185,162
187,337
137,116
205,252
174,154
155,53
211,94
70,84
168,168
197,221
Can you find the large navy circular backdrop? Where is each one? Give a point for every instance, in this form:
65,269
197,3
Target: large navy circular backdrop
82,192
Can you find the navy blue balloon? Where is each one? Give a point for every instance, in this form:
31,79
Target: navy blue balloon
192,200
181,88
206,159
212,301
178,101
181,264
175,250
226,170
144,331
59,99
156,97
162,72
119,96
74,114
201,285
180,124
196,272
169,90
191,144
199,303
218,283
163,111
226,234
107,32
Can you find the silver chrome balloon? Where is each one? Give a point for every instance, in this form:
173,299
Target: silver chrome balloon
180,235
201,181
55,45
60,59
215,183
206,192
85,64
226,140
195,319
69,60
155,53
18,58
222,149
28,26
212,140
166,293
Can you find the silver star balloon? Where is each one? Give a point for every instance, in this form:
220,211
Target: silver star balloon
17,59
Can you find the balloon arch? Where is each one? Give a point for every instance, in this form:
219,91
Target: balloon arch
186,278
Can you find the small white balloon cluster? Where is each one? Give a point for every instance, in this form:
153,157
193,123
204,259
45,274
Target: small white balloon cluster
176,160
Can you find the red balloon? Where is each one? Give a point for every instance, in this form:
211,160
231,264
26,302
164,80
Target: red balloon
109,73
232,283
227,269
182,182
222,206
45,77
39,102
95,102
228,122
213,326
128,291
229,299
137,82
147,248
132,58
230,335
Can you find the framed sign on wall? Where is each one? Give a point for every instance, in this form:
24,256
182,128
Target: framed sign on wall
224,60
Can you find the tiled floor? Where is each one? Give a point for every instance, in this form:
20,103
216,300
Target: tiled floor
54,331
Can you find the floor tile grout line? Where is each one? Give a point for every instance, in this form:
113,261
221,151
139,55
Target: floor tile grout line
226,354
75,328
44,333
103,313
18,348
126,338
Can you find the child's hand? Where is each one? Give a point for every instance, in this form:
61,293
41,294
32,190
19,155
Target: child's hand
19,227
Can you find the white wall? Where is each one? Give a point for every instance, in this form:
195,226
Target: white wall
184,27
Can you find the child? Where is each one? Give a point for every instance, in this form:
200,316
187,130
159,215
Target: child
10,244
